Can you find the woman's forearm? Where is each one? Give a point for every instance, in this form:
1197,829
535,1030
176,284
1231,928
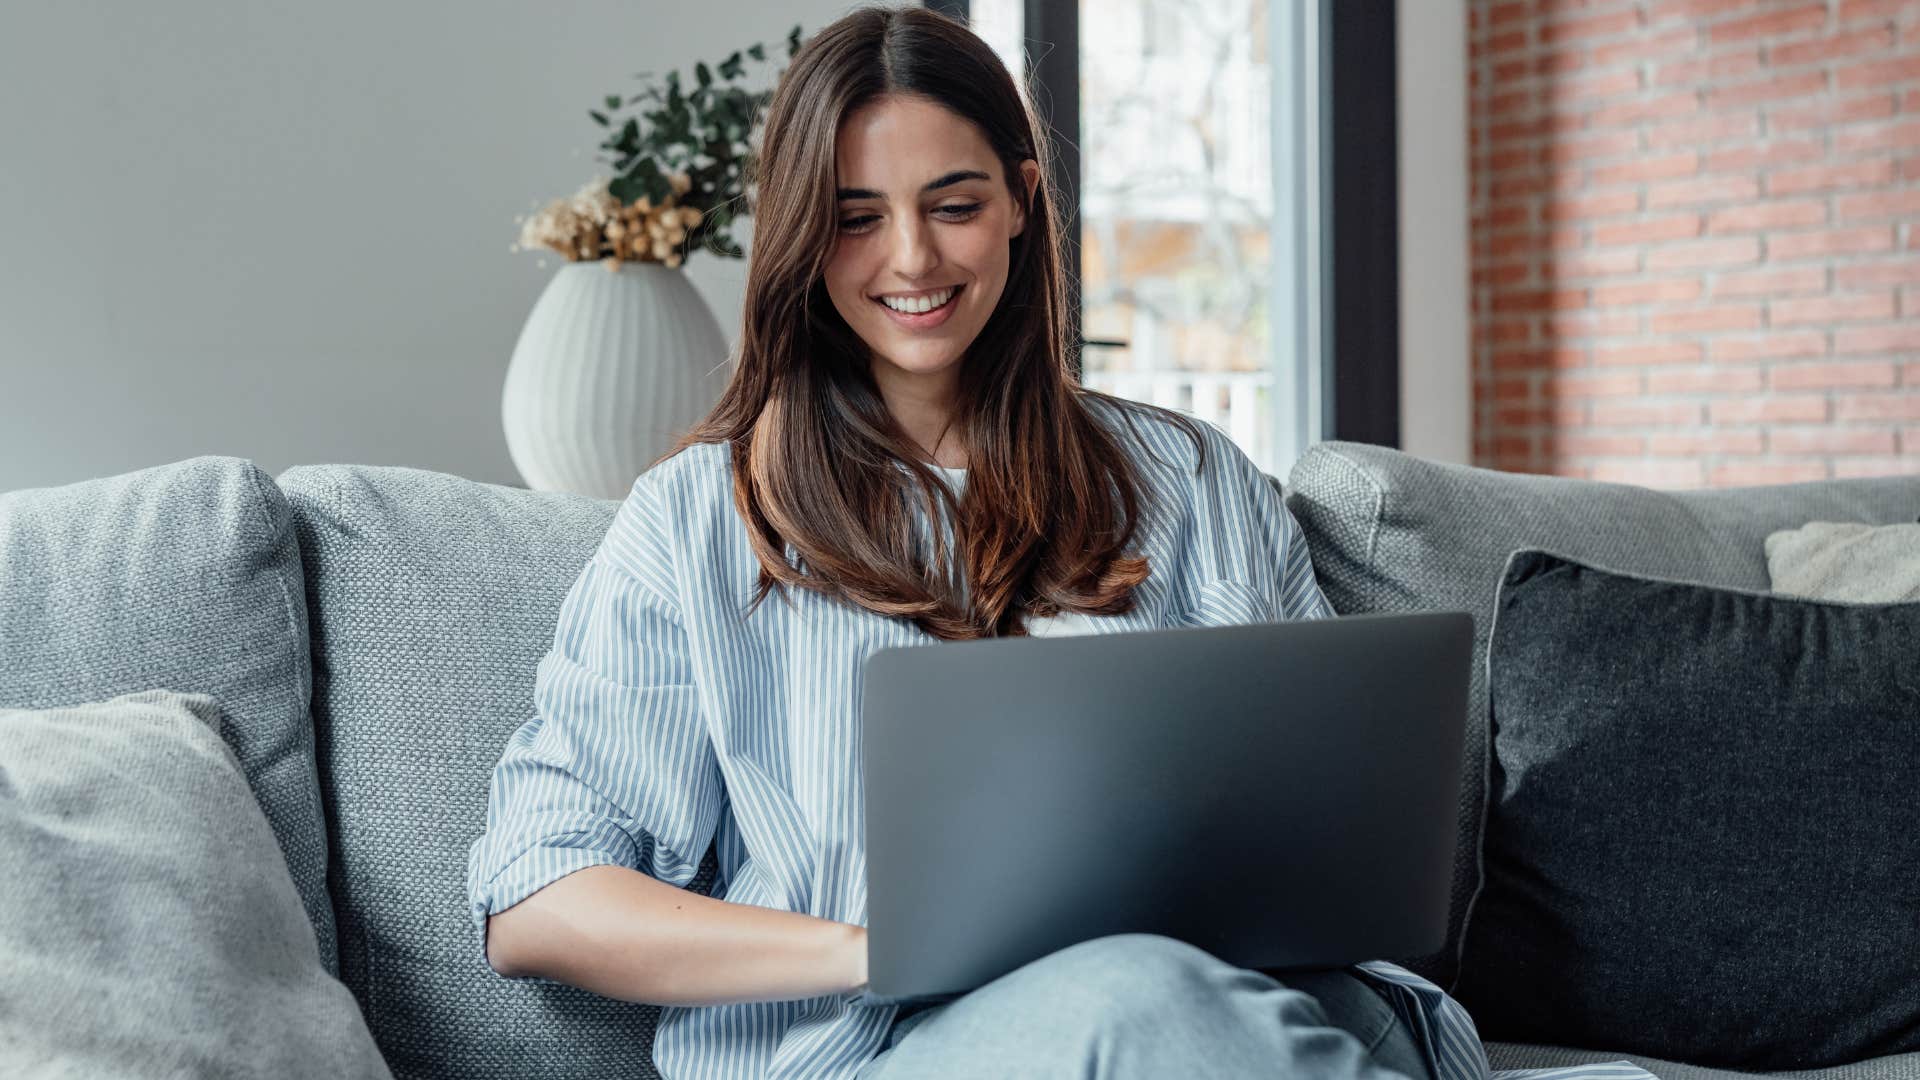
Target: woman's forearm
622,934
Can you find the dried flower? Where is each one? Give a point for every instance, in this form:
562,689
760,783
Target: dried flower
680,183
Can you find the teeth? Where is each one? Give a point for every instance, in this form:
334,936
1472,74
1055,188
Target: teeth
915,305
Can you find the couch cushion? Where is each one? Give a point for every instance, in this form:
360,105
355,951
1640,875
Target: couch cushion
149,924
183,576
1393,532
433,600
1699,837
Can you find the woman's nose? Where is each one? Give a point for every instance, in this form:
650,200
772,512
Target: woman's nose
914,253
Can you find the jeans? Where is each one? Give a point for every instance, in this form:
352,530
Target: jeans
1145,1005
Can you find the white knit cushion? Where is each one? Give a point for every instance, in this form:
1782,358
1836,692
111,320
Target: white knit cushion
1847,560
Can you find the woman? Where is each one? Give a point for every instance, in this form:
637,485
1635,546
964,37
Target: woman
678,709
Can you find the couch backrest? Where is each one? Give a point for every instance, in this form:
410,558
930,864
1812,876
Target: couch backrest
180,577
1393,532
432,600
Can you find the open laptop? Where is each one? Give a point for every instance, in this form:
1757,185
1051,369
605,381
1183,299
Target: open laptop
1283,795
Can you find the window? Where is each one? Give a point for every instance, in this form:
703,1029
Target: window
1192,242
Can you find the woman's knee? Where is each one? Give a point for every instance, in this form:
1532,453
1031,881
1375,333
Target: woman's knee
1151,955
1108,998
1127,973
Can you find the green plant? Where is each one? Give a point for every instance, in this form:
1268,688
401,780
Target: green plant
681,177
704,134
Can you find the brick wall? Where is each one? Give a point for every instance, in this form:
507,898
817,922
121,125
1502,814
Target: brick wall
1696,238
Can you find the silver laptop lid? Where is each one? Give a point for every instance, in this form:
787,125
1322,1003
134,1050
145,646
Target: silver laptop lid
1280,794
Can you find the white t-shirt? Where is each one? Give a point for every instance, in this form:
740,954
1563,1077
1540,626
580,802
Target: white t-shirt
1067,622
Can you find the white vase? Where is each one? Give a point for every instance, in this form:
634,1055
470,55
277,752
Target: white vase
610,368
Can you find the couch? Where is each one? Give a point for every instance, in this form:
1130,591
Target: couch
372,635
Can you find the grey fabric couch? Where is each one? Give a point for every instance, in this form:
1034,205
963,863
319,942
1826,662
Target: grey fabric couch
374,632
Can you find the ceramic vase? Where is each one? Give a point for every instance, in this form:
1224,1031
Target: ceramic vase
610,368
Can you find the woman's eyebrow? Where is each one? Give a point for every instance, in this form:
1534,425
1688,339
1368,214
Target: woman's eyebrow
948,180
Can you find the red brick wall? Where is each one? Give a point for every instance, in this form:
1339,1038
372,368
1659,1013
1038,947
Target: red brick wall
1696,238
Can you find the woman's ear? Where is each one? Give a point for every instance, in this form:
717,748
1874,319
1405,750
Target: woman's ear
1030,180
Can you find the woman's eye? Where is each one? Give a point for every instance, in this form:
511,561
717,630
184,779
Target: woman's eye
952,213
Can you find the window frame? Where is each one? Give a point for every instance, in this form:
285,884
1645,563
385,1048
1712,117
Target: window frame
1339,302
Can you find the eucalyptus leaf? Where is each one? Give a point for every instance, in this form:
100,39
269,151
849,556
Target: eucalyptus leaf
705,135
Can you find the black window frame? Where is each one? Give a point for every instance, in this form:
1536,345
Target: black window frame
1360,207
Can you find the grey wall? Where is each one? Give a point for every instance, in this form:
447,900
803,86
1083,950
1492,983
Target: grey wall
281,231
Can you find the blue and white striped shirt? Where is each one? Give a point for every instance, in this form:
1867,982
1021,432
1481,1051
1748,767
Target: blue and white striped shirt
665,721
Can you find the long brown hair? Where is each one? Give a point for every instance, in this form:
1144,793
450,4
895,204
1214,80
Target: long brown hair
819,463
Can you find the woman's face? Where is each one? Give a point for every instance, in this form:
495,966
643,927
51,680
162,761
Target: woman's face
923,208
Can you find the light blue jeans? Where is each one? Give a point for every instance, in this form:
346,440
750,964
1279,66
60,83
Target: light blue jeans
1145,1005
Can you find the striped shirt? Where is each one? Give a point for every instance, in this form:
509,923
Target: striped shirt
666,721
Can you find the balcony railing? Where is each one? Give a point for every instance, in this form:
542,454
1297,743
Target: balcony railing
1235,400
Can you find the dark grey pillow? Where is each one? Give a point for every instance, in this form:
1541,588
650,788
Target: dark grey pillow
1699,832
1390,531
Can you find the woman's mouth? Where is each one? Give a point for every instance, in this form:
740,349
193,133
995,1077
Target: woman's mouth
925,320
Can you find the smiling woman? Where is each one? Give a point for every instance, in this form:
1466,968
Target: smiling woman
900,169
905,309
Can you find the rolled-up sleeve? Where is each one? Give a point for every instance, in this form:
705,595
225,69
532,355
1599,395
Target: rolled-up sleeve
616,765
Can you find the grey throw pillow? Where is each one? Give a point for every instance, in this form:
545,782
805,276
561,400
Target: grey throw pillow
1846,560
148,922
1699,831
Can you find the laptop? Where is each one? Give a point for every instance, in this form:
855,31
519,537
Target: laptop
1282,795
